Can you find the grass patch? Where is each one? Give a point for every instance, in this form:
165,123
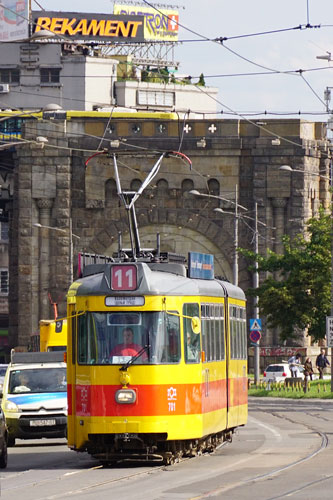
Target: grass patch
320,389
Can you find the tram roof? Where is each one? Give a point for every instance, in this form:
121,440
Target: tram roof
157,281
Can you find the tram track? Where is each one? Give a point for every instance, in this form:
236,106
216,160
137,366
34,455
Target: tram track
274,438
254,479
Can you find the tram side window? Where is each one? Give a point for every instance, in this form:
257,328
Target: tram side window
212,333
238,342
204,330
92,348
86,346
243,330
191,340
233,333
213,336
172,340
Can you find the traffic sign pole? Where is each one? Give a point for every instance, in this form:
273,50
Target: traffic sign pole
256,357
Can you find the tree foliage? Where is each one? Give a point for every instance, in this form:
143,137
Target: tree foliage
296,292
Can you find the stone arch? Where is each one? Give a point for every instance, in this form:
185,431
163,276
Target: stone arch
162,187
187,185
179,234
135,184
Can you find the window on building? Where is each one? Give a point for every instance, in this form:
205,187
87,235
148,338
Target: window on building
9,75
49,75
214,187
155,98
4,231
4,281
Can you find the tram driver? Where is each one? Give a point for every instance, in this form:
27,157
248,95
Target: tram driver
128,347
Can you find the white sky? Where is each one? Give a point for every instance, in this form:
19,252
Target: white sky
284,51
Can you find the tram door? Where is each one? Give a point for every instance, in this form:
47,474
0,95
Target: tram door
237,364
214,367
71,372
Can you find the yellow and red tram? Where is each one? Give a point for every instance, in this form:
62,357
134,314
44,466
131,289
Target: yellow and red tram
184,389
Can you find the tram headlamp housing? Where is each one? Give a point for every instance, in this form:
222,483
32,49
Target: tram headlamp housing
125,396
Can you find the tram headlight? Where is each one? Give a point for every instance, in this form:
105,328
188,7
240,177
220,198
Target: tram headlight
125,396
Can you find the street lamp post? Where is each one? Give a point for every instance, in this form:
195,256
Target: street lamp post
236,217
255,281
256,299
287,168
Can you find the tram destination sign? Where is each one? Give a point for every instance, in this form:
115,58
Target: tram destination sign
201,265
88,26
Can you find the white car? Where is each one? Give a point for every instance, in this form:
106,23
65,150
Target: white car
278,372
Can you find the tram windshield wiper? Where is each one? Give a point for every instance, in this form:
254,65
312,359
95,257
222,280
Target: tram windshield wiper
137,356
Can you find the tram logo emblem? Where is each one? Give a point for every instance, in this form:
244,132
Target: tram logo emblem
172,398
83,400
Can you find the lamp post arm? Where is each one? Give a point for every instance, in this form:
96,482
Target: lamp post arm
204,195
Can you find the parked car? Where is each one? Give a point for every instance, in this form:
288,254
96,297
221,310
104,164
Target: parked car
3,369
34,396
278,372
3,440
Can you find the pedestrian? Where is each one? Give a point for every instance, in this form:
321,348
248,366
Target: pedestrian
321,363
293,362
308,370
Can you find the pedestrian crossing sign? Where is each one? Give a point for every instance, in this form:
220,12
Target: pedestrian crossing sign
255,324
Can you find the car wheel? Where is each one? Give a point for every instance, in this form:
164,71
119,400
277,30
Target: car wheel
11,441
4,456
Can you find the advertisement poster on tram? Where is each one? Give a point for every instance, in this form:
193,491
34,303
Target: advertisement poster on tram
14,20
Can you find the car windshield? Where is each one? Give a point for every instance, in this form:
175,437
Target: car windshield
122,337
37,380
275,368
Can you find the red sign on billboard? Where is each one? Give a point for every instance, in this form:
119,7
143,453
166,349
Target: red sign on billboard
124,277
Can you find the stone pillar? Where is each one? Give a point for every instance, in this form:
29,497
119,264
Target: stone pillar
279,205
45,205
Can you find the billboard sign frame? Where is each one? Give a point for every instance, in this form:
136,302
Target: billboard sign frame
14,20
89,26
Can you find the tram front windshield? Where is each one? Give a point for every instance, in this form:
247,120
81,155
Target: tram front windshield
122,337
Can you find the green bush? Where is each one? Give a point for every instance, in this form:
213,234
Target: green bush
317,389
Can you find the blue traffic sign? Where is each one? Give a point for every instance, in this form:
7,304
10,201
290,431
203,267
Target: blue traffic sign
255,324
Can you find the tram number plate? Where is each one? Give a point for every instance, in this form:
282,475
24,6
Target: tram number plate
42,423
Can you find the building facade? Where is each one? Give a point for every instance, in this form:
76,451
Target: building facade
56,187
82,78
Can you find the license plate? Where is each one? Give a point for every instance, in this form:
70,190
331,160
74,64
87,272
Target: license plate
126,436
42,423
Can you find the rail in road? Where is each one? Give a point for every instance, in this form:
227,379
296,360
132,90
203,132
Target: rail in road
285,451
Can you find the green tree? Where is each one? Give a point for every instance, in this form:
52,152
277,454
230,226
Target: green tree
201,81
300,297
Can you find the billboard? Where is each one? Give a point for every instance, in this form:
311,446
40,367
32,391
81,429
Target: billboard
14,20
99,27
160,24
